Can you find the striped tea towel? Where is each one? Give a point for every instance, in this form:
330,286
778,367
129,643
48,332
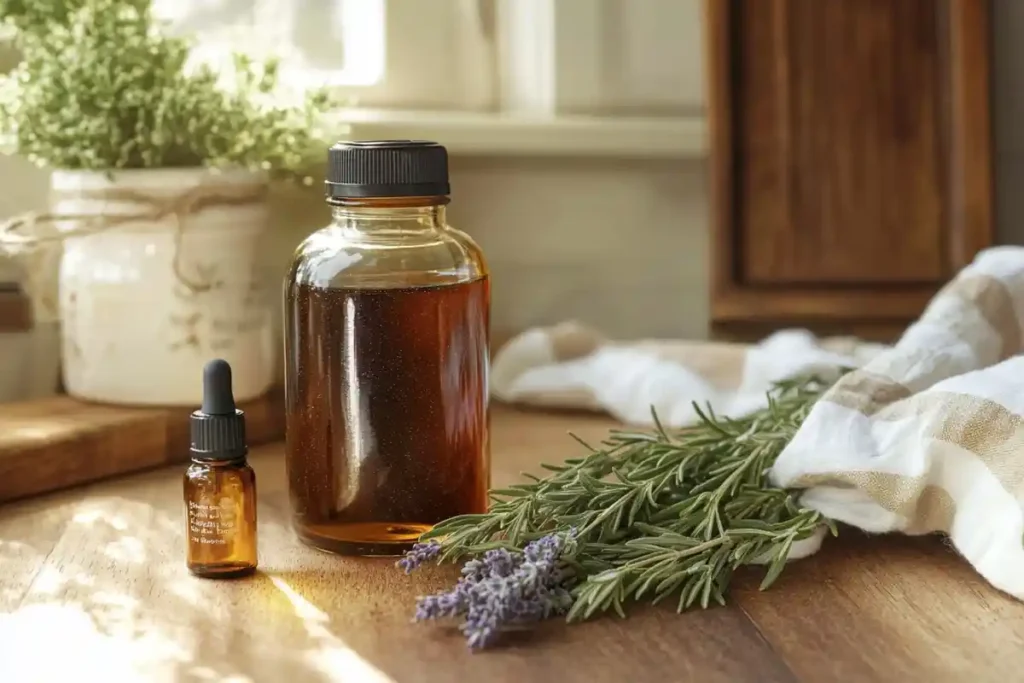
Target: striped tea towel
924,436
573,366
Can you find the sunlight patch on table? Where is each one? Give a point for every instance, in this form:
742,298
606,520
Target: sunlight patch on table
28,638
332,657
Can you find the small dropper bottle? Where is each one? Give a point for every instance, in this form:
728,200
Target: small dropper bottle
220,486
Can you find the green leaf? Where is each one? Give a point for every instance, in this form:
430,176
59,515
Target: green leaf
510,492
778,564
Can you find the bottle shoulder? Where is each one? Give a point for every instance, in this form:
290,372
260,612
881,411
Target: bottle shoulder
219,474
336,257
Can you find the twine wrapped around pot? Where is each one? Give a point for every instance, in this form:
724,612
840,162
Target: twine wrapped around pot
22,236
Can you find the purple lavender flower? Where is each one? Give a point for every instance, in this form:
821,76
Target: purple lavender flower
505,588
420,553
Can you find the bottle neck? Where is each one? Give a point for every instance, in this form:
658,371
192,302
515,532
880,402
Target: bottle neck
238,461
377,215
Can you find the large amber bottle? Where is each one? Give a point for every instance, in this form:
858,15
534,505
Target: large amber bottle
386,341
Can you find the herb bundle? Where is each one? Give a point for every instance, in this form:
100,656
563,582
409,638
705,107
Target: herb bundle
641,516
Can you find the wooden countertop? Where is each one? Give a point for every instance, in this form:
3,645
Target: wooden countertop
92,586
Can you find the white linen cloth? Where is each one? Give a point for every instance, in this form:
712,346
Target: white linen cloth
925,436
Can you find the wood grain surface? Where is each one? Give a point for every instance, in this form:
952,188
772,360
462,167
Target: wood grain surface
838,129
51,444
93,587
850,156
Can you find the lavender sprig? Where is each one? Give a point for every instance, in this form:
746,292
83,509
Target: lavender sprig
502,588
420,553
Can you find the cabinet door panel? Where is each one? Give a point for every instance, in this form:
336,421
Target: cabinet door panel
840,142
850,155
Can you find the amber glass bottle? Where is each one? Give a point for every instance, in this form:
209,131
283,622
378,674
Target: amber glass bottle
386,343
219,486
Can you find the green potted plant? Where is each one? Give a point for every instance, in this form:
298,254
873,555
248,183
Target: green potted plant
160,168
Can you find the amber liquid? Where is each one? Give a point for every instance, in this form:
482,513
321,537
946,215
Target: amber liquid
387,412
220,519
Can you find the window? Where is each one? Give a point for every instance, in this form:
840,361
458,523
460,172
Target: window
381,53
524,56
601,56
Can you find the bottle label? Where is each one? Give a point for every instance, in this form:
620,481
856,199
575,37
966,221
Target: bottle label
211,522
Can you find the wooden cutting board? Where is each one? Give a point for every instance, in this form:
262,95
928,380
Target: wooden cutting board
54,443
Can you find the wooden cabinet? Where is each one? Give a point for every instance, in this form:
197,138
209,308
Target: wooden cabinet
850,158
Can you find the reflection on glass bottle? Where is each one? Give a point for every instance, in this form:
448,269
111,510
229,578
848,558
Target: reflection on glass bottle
386,338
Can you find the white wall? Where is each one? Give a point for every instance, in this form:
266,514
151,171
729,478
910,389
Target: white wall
620,245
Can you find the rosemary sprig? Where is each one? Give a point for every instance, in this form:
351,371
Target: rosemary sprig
655,515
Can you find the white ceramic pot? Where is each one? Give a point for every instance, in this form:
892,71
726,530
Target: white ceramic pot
145,304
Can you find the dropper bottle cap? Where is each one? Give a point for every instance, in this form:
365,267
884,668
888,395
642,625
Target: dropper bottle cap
218,428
